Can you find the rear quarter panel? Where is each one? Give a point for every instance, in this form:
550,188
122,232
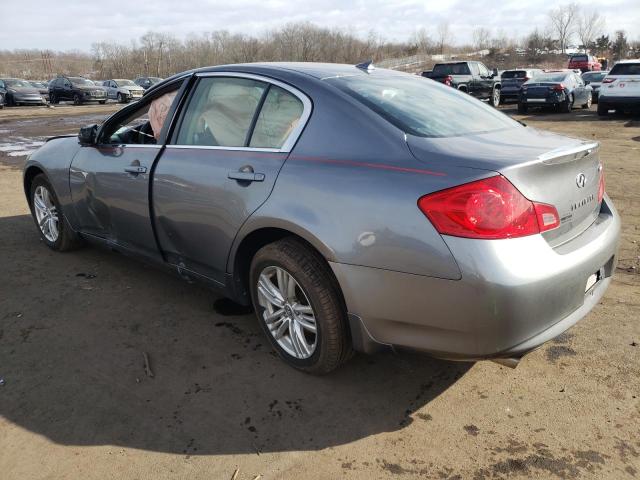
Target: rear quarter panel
350,187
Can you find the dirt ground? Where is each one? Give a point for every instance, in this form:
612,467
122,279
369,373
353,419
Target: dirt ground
76,403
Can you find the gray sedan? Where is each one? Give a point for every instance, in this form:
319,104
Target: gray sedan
21,92
123,90
354,208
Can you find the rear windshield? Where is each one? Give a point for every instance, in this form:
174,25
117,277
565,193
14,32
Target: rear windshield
594,77
625,69
422,107
78,81
451,69
514,74
551,77
580,58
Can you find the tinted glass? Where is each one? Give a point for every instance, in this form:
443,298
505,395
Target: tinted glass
451,69
514,74
625,69
551,77
423,108
579,58
220,112
278,117
81,81
593,77
17,83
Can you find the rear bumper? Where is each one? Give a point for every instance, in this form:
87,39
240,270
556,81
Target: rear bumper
619,101
514,294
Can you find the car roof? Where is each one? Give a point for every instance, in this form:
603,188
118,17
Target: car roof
319,71
629,60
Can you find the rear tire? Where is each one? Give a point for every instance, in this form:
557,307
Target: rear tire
587,105
603,110
495,97
50,221
102,102
315,292
77,100
567,105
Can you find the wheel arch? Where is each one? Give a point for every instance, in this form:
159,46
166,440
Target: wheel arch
29,174
245,248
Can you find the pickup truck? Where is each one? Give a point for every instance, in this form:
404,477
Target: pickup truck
473,78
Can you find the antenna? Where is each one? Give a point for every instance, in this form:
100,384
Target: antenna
366,66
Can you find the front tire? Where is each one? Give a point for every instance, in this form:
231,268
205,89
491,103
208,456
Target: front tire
48,217
299,306
587,105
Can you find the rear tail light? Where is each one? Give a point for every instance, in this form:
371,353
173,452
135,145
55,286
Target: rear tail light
525,79
608,80
601,186
491,208
558,88
448,80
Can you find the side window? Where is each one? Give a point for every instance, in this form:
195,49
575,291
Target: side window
278,117
474,68
1,84
484,72
220,112
143,124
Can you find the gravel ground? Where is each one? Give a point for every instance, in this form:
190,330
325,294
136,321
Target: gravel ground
76,402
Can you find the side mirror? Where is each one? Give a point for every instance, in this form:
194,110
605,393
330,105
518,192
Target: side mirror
494,72
88,135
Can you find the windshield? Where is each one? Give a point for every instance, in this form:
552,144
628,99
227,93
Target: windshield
514,74
451,69
154,79
125,83
625,69
16,83
38,84
594,77
79,81
422,107
551,77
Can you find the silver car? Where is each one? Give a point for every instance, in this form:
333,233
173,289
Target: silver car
595,80
354,208
123,90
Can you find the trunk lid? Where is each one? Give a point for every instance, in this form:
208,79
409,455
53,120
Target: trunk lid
545,167
540,89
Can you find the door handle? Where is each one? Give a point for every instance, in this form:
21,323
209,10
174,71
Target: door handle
246,176
135,170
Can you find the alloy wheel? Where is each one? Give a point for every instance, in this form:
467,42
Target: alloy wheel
287,313
46,213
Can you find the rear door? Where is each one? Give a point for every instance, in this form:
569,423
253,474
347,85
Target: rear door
231,140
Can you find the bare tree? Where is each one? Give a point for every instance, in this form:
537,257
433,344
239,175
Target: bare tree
563,22
481,38
444,36
422,41
590,24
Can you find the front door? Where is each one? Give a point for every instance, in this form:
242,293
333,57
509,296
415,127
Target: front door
221,165
110,183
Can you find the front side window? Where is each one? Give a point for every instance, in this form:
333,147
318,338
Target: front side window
144,123
484,72
425,109
221,112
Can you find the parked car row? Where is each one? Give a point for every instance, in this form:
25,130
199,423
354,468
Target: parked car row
79,90
618,89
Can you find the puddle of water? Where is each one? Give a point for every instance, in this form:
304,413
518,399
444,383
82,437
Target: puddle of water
21,146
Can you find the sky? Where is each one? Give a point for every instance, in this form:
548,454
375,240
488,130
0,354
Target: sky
76,24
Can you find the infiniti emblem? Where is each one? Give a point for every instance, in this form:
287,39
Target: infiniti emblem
581,180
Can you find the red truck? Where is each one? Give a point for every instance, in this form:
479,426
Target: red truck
584,63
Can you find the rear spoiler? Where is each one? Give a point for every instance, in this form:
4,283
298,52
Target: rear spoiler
568,154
